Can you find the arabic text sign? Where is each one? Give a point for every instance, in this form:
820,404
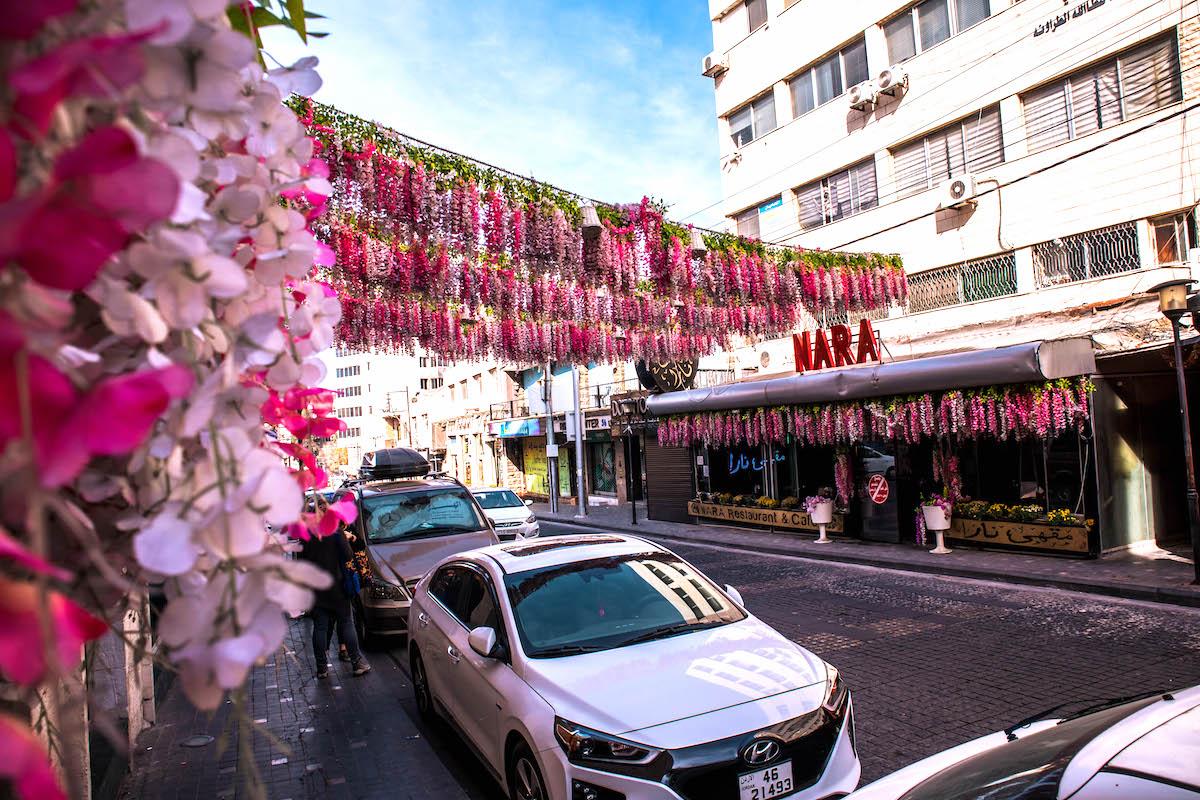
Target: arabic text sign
1057,21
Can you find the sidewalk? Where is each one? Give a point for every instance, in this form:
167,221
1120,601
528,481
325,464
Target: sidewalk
1160,576
343,737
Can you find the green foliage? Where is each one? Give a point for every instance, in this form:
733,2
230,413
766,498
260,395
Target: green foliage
250,18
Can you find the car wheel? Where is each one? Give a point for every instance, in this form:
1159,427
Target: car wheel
524,777
421,692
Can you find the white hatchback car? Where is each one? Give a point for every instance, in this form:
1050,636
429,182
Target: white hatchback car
510,515
604,667
1130,748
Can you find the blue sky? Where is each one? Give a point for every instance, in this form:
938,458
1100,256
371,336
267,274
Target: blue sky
603,98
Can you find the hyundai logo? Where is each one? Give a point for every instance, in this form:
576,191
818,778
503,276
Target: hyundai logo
760,751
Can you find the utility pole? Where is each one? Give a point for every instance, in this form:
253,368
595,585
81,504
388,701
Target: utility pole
580,487
551,447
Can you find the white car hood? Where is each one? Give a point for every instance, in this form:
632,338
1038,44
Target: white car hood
508,514
655,692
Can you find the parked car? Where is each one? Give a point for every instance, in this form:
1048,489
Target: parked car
604,667
407,522
1139,748
511,515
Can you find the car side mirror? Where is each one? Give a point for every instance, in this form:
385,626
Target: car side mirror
483,641
734,595
528,502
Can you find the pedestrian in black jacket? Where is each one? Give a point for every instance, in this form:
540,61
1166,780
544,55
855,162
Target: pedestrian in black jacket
332,607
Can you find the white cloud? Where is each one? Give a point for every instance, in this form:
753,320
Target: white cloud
596,102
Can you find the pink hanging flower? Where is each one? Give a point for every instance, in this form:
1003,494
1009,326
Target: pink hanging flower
24,762
22,648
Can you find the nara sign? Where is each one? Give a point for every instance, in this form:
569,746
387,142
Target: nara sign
840,348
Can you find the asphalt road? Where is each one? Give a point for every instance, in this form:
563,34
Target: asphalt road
934,661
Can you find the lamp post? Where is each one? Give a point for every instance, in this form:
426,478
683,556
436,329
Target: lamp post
1173,303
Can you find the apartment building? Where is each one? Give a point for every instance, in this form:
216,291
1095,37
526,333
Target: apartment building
371,390
1034,162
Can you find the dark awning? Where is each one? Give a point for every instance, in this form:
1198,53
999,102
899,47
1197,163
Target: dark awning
1020,363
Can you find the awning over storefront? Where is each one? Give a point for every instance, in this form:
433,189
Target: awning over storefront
1021,363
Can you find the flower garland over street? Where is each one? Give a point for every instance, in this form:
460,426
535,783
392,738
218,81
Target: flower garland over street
1012,412
474,263
157,307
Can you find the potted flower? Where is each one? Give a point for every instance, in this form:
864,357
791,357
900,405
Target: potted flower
820,512
936,512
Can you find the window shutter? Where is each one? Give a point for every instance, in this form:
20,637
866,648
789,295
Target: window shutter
933,17
1046,117
1150,77
900,41
945,148
854,63
1094,100
971,12
808,198
747,223
840,199
864,188
908,162
802,93
740,127
764,115
985,141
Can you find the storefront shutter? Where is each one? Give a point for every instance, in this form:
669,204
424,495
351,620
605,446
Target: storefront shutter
1046,117
985,142
668,481
1150,77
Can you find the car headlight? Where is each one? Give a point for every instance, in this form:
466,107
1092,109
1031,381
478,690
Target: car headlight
530,519
836,691
380,590
583,745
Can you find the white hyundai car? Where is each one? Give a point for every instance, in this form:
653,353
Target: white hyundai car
1129,748
510,515
604,667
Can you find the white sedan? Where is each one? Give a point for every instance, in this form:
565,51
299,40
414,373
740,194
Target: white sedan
1140,748
604,667
511,517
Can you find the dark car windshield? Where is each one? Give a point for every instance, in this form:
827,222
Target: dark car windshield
601,604
420,513
501,498
1029,768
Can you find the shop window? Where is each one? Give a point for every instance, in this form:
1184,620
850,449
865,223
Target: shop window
929,23
829,77
755,119
1136,82
1173,237
969,145
737,470
840,195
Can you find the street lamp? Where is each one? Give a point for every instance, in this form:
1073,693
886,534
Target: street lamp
1173,303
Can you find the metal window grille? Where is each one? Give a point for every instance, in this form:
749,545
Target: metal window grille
980,279
1107,251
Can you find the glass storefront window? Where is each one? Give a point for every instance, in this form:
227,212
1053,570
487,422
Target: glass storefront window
603,466
737,470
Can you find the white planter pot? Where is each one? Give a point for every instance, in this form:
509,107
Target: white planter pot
823,513
935,518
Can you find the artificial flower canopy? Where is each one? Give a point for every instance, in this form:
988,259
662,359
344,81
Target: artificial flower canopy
475,263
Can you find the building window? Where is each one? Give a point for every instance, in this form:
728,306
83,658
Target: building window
1173,237
1095,254
753,120
431,383
353,411
1138,81
829,77
747,221
348,372
351,433
756,15
971,281
929,23
842,194
351,391
969,145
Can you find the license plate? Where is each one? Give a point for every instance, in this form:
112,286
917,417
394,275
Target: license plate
766,783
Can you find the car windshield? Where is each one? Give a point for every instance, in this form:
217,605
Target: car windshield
1029,768
500,498
417,514
602,604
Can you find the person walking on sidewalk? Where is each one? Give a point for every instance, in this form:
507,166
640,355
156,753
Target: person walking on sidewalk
332,607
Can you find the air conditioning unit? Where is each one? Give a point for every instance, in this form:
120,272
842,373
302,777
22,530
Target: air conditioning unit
714,65
959,191
862,96
893,81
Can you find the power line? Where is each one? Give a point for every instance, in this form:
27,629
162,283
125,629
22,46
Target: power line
961,109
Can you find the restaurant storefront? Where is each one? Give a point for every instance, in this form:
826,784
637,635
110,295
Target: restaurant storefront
1006,434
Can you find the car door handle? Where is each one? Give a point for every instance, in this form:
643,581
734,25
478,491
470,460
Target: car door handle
455,656
423,619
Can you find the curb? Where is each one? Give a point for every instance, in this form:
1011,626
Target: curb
1168,595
